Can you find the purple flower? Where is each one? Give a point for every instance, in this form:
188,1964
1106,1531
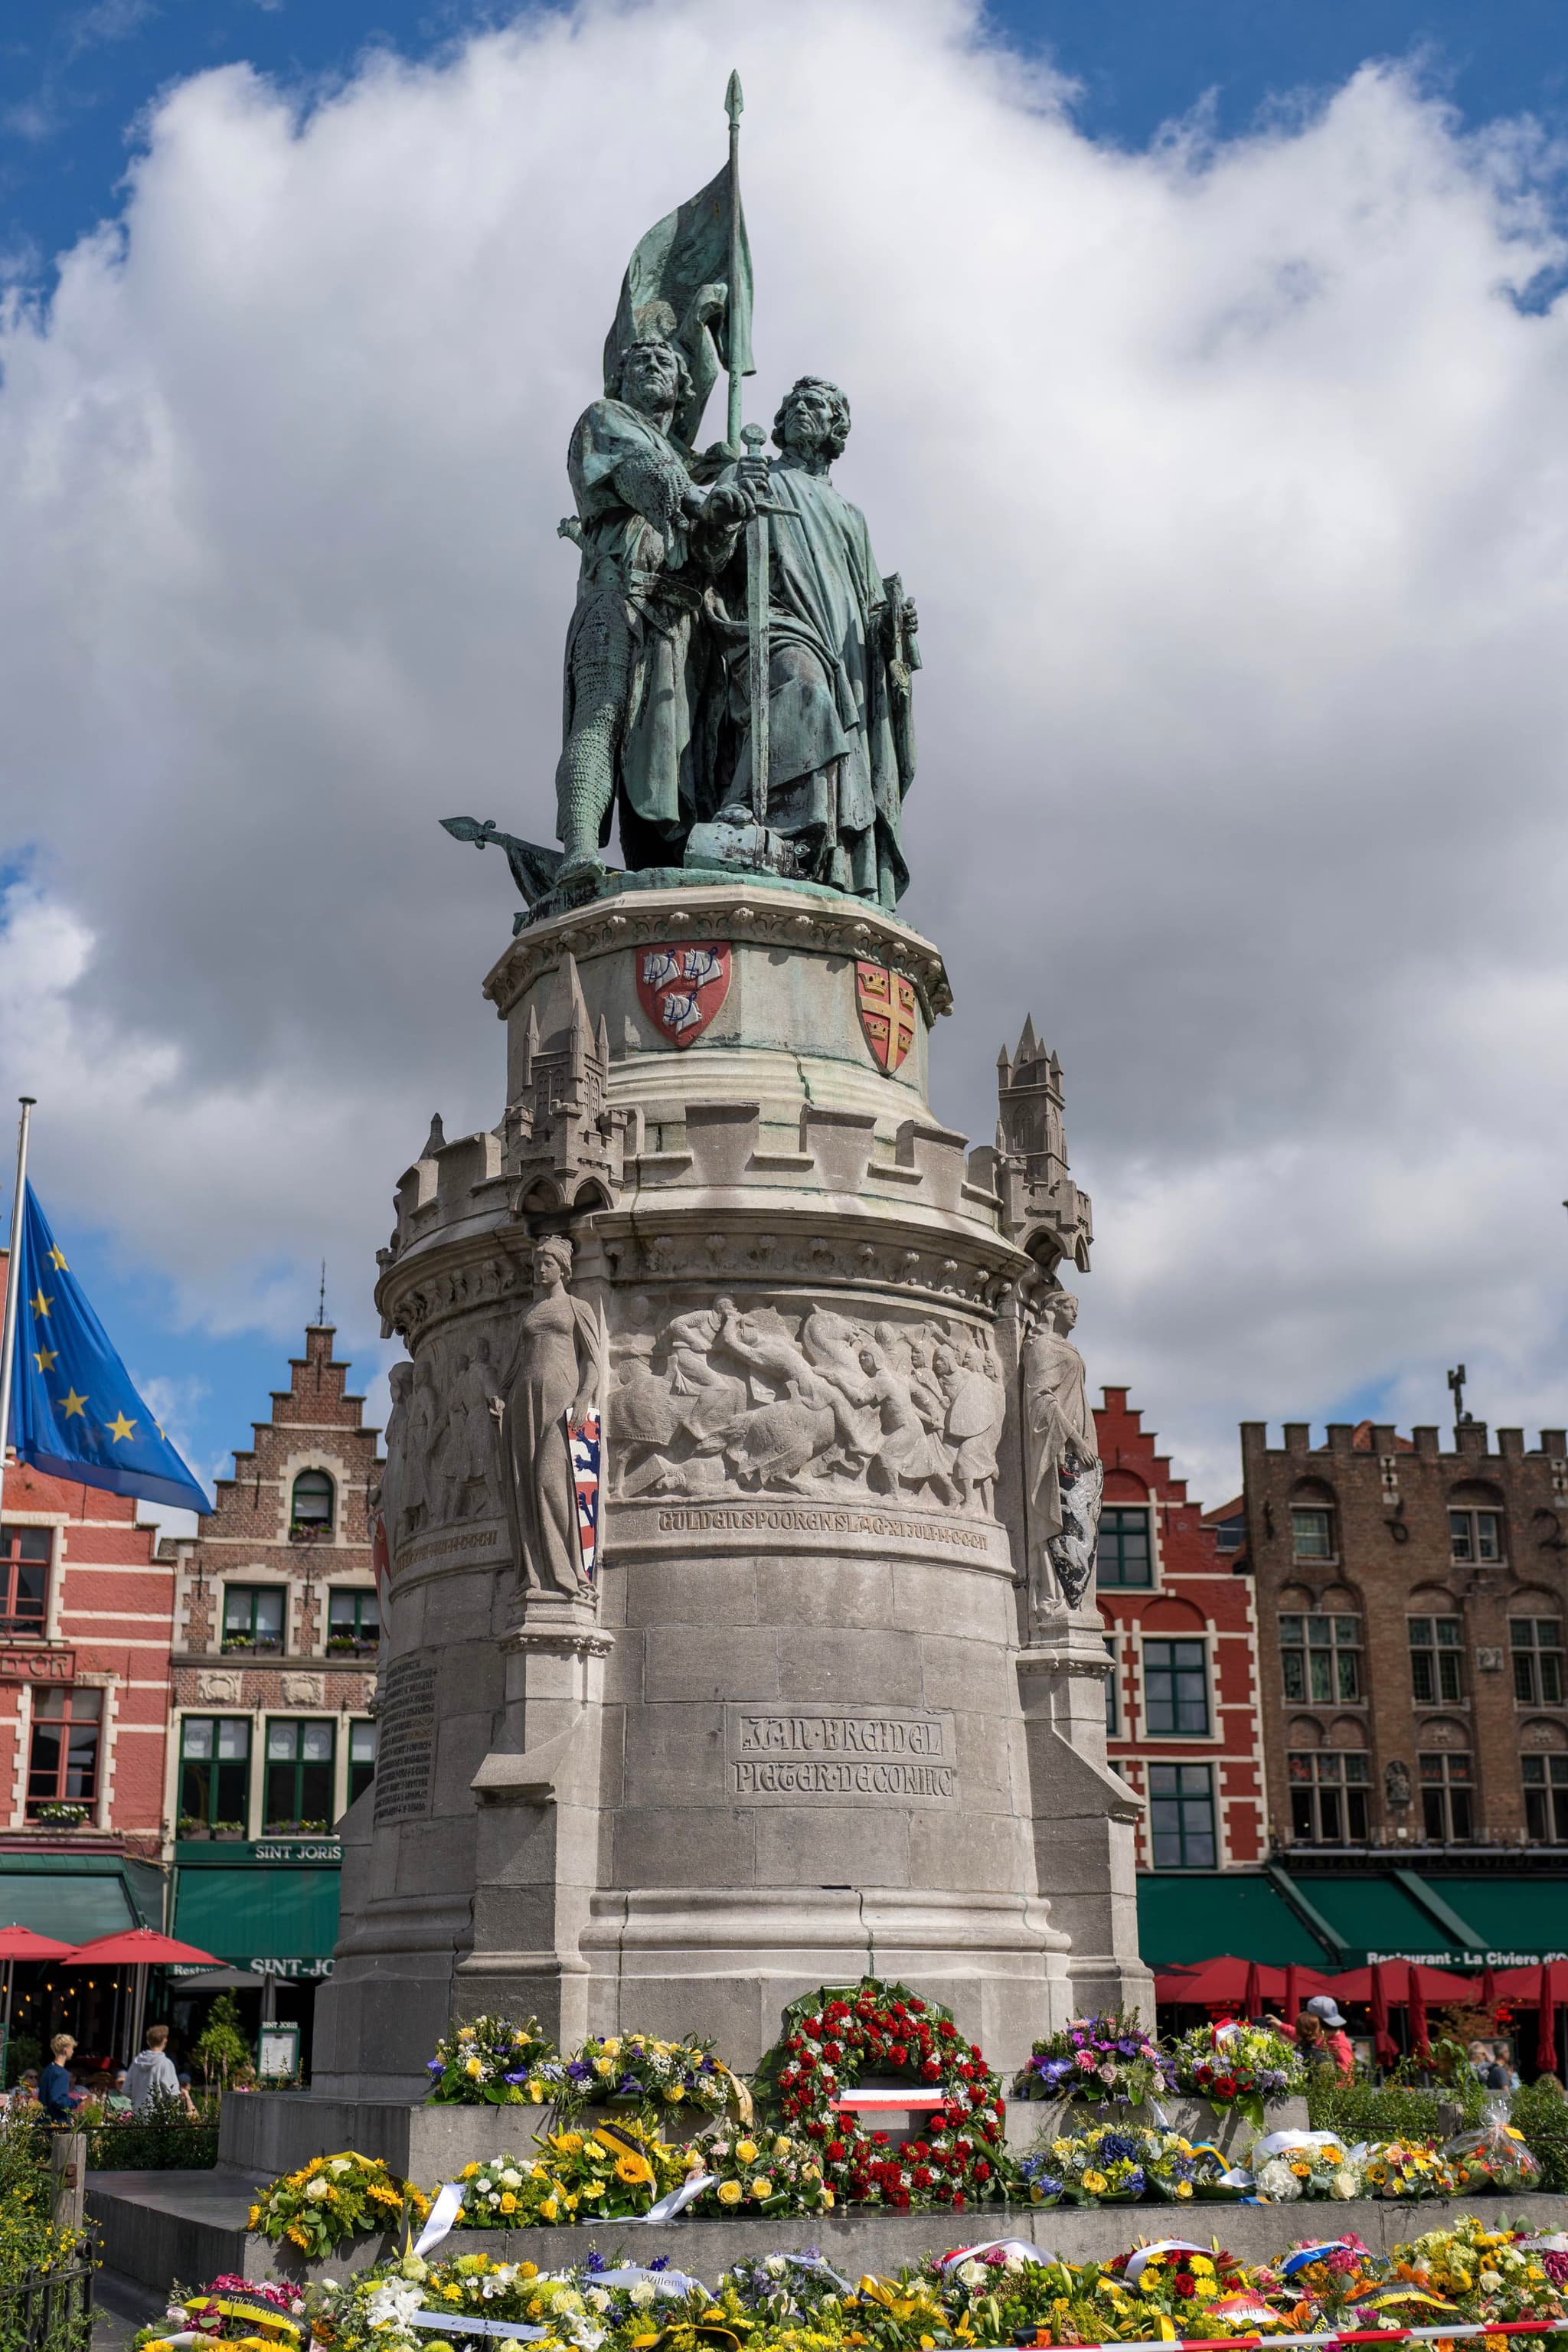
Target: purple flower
434,2066
660,2263
521,2076
580,2071
595,2264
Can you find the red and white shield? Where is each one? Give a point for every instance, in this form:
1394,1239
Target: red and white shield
887,1004
681,987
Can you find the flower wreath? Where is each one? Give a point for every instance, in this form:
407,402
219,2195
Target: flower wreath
838,2034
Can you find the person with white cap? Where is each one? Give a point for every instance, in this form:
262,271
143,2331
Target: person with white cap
1324,2007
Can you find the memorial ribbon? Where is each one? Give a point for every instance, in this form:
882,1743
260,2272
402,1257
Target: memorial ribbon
443,2214
689,2190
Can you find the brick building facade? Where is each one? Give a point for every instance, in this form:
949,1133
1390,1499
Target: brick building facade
1181,1699
86,1623
1413,1598
271,1730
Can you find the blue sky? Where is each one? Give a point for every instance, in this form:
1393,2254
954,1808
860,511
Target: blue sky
74,80
76,77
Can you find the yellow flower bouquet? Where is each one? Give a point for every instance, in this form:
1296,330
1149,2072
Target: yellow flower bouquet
332,2199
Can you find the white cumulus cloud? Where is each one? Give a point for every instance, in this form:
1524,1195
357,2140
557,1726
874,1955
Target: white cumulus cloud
1232,481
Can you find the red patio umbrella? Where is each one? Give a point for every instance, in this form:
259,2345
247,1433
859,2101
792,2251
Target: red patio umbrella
1385,2048
1416,2000
22,1944
1222,1982
139,1948
1169,1984
1488,1986
1293,1996
1252,1993
1437,1984
1546,2020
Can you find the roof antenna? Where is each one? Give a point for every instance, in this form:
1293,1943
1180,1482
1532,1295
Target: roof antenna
322,1301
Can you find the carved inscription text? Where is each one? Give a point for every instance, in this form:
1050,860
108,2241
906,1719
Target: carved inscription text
775,1757
406,1747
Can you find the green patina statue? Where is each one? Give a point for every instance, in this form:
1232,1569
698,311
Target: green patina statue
737,676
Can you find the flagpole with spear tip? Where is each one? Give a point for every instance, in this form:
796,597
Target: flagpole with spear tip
733,104
8,1331
758,654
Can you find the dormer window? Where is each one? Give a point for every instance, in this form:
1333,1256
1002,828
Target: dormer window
311,1510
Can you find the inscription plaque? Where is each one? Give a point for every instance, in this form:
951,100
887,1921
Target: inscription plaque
780,1756
405,1745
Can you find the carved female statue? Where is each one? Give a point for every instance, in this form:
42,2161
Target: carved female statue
1065,1476
557,1371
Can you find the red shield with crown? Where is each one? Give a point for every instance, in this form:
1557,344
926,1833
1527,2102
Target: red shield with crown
886,1003
682,986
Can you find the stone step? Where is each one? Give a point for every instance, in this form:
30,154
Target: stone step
160,2226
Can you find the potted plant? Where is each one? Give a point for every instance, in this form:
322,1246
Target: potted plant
228,1829
189,1827
59,1815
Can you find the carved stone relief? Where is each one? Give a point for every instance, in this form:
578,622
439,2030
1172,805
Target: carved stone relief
303,1690
779,1400
219,1689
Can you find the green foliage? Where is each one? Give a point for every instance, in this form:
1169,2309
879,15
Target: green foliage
28,2239
1540,2112
223,2047
1370,2111
162,2138
23,2050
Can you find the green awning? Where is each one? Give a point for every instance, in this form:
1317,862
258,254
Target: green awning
1198,1914
1371,1912
74,1896
258,1914
1525,1916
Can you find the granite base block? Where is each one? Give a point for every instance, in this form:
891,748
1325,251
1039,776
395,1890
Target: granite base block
156,2227
1233,2133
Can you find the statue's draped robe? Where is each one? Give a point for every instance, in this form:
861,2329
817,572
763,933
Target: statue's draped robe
557,1359
634,621
833,768
1059,1427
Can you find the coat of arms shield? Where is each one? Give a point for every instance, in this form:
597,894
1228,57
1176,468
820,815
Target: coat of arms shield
681,986
886,1003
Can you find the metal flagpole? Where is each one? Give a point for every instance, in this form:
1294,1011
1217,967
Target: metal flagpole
734,103
8,1333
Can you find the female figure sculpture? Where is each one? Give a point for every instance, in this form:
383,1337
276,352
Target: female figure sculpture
557,1373
1065,1473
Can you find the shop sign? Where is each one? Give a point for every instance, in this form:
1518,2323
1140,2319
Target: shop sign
226,1852
29,1665
1462,1960
296,1972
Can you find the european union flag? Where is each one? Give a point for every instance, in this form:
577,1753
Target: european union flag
73,1410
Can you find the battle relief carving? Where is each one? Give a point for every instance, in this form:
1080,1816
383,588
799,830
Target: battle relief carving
777,1399
442,1458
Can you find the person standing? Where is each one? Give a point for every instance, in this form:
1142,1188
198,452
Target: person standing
55,2082
150,2075
1336,2040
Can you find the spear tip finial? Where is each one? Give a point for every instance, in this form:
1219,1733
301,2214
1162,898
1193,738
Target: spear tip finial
733,100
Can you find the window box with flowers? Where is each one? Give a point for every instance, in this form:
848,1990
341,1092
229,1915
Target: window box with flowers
62,1816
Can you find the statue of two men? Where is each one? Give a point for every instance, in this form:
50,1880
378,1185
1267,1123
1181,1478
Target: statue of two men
657,711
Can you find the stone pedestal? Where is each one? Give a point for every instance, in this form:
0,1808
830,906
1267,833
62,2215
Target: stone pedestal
807,1724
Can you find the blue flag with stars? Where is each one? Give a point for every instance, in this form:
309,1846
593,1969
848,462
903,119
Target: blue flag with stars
74,1412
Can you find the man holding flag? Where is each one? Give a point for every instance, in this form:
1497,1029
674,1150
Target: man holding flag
637,692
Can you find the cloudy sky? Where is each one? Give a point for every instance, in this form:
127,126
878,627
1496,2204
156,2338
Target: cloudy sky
1210,393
